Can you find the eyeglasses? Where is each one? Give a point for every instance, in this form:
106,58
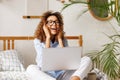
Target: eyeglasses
53,22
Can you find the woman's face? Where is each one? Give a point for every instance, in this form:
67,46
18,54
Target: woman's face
53,24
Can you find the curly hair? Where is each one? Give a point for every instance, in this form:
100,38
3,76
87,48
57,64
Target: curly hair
39,32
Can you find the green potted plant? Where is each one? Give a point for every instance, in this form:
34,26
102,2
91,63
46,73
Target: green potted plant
99,7
107,59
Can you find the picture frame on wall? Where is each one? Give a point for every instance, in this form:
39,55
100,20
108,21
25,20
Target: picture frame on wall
34,8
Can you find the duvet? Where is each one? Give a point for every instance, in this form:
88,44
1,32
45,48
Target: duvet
12,75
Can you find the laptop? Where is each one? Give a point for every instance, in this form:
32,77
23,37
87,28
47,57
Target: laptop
67,58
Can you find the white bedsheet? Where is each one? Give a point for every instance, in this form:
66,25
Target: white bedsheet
31,73
13,75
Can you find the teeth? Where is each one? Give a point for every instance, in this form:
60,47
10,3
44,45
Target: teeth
53,28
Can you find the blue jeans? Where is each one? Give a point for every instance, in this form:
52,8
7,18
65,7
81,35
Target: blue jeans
55,74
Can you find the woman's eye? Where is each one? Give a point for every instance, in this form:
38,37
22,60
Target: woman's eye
50,21
56,22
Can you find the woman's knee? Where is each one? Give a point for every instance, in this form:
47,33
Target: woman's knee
86,59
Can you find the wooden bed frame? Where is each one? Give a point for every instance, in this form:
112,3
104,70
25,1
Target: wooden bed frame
8,41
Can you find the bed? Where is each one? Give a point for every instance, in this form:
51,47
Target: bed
11,66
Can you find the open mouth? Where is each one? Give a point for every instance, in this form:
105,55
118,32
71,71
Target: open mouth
53,28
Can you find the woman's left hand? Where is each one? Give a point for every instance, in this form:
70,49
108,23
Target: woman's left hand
59,36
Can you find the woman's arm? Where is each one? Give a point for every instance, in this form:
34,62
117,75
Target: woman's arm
60,41
38,47
47,43
47,34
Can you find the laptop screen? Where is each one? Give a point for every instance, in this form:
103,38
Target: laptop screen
67,58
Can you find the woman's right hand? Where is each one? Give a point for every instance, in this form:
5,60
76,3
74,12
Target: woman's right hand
46,30
47,34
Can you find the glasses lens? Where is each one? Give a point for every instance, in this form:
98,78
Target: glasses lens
52,22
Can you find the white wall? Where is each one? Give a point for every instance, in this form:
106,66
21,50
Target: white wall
93,30
12,23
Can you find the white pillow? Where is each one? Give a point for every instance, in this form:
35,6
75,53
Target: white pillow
9,61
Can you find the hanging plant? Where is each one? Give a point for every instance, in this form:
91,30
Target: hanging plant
100,9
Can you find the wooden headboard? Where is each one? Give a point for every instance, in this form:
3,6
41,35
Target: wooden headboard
9,41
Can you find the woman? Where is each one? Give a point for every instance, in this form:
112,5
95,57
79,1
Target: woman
49,33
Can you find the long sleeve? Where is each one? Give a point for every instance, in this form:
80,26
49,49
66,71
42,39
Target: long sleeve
38,47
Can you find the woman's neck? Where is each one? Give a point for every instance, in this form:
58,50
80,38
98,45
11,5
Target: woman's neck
53,39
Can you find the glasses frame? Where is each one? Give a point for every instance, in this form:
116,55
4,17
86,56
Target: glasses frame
50,23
